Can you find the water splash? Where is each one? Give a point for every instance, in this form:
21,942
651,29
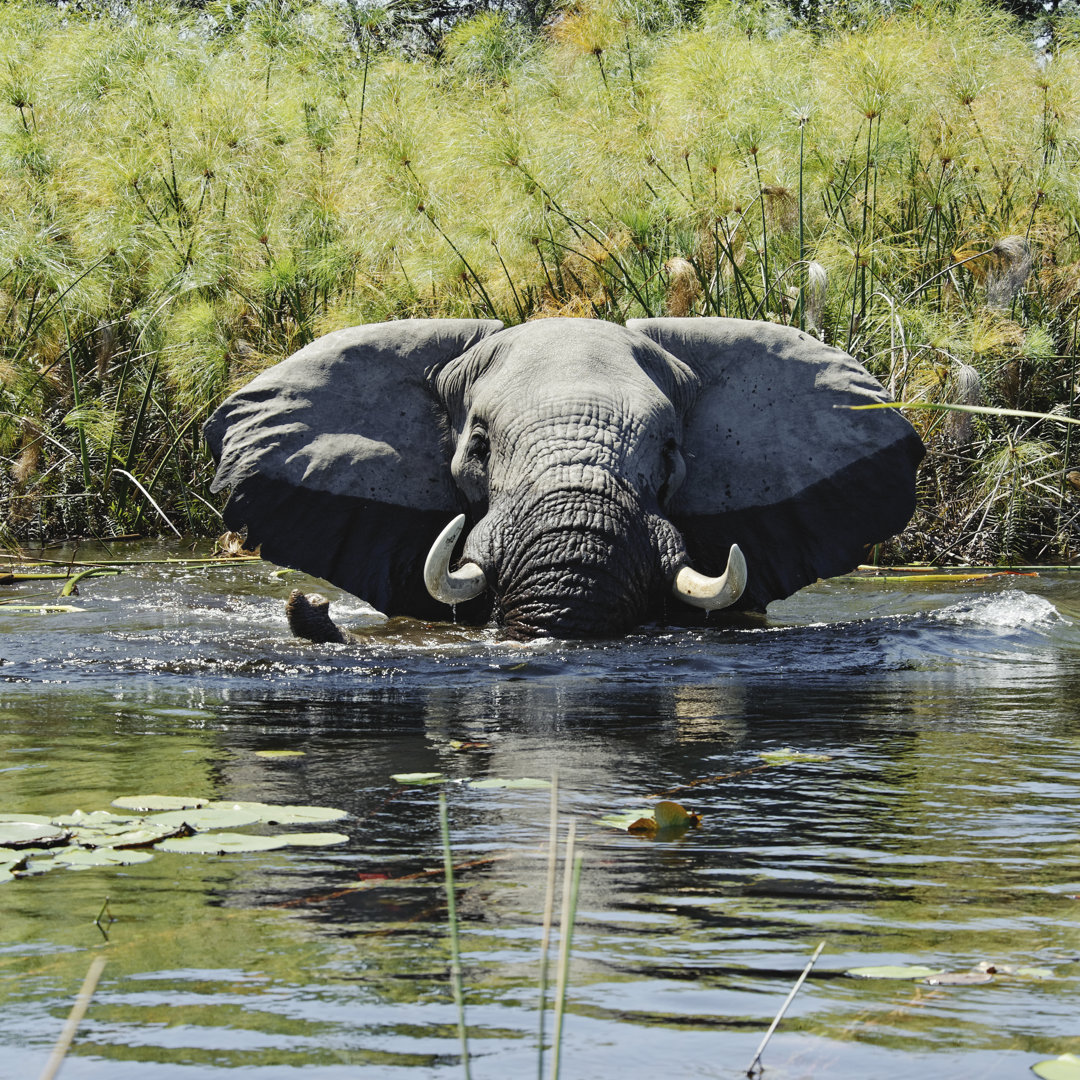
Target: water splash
1011,610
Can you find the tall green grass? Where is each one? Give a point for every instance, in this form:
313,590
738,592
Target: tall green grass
186,201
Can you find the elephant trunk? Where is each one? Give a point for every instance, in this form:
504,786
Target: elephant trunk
571,565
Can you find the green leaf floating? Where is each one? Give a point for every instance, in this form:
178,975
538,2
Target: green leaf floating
18,834
81,859
313,839
895,971
207,817
226,843
159,802
1066,1067
666,816
269,814
418,777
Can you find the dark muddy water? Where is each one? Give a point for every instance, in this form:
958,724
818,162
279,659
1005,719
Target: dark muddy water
944,829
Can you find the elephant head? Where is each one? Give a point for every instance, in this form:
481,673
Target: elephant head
603,476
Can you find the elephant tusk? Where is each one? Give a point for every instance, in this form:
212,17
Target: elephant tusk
713,593
452,586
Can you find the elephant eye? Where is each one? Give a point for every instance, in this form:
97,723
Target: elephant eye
478,448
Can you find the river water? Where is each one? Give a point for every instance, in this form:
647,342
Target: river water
929,813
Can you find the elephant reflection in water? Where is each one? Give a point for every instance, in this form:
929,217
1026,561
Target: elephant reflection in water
565,478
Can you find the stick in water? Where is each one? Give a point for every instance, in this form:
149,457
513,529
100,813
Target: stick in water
756,1063
78,1011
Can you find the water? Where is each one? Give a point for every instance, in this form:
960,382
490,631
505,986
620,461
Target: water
944,829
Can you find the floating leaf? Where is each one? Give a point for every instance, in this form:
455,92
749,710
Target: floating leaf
1021,972
526,783
960,978
664,817
269,814
279,753
313,839
17,834
36,819
418,777
457,744
670,815
1066,1067
895,971
159,802
96,819
628,819
81,859
208,817
120,838
221,843
787,756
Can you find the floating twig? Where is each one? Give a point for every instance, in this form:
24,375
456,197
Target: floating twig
756,1063
78,1011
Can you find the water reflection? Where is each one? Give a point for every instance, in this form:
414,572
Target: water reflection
941,829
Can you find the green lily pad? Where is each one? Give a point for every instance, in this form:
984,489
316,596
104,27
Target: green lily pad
221,843
313,839
16,834
525,783
36,819
279,753
1066,1067
269,814
788,756
159,802
208,817
625,820
96,819
665,817
895,971
125,837
82,859
418,777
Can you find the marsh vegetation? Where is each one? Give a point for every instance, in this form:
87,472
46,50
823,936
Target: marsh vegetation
190,195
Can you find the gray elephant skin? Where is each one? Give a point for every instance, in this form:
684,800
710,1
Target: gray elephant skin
603,472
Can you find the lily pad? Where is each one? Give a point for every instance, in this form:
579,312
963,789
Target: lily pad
17,834
418,777
226,843
666,816
82,859
895,971
159,802
525,783
122,838
37,819
269,814
279,753
788,756
96,819
313,839
208,817
1066,1067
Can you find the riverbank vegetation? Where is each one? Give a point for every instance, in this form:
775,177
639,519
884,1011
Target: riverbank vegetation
188,195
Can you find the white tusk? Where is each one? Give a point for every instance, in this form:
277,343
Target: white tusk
713,593
457,586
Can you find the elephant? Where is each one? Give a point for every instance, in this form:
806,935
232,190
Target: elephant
592,478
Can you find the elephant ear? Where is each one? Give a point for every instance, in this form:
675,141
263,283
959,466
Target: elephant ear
336,458
776,462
